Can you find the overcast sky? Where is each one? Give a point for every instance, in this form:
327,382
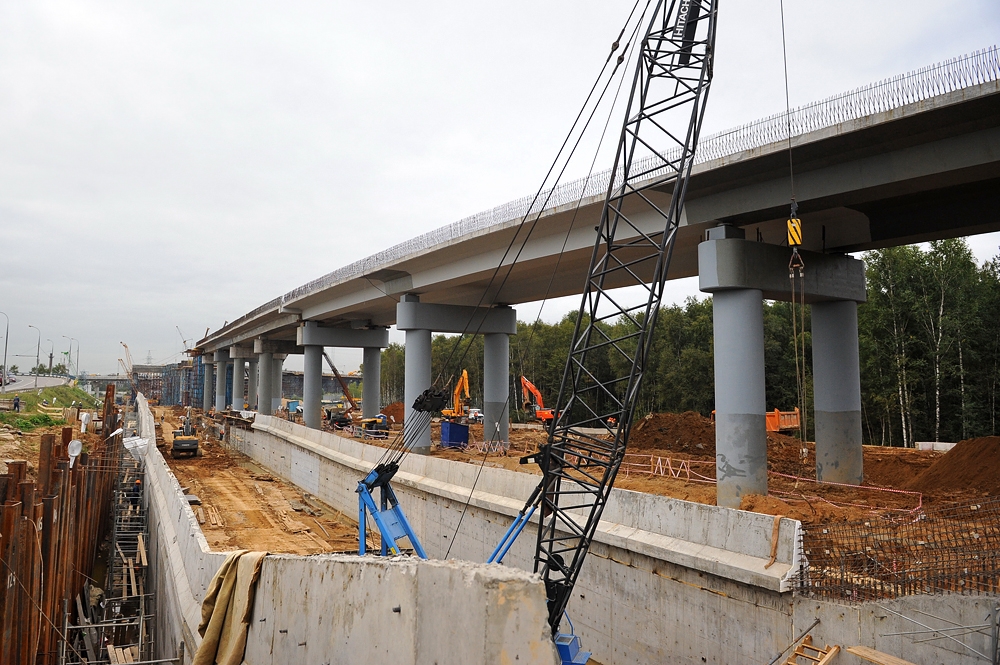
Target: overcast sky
178,164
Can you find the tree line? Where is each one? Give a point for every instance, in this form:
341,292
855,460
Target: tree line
929,342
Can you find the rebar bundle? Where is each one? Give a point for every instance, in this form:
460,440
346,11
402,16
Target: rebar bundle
953,549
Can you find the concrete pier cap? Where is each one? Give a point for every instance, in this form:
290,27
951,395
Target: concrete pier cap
314,338
739,274
418,320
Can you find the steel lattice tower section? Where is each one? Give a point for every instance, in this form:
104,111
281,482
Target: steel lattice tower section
666,108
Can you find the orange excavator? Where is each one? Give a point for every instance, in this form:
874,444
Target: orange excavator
537,408
459,406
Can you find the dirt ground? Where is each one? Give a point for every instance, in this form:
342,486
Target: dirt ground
243,506
922,478
690,437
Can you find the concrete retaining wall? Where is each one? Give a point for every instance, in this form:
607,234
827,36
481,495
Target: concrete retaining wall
181,563
342,609
666,581
657,564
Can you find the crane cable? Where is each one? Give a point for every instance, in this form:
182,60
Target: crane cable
796,265
541,190
531,334
404,441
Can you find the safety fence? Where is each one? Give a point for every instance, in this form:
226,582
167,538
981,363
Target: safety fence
968,70
49,535
954,549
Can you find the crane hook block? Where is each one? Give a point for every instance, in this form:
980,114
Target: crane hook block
430,400
794,232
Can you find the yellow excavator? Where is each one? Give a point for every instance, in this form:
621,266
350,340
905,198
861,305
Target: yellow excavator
459,406
185,438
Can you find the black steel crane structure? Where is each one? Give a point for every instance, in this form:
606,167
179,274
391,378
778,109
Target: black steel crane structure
650,176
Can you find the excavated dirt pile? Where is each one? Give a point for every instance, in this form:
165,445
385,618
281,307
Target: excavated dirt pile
394,412
972,465
693,435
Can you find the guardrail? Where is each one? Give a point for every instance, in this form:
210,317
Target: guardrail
968,70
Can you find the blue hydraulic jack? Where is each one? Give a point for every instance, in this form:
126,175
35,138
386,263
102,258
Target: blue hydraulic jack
568,646
390,520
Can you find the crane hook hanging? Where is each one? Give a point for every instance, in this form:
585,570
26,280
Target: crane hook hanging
795,241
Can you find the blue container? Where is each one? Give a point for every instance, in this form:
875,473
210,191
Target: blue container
454,435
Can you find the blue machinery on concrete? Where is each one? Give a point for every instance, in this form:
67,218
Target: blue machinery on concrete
389,518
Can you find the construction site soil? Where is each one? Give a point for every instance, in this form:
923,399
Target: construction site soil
674,455
243,506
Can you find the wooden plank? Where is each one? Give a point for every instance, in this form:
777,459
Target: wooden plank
131,574
135,653
127,653
873,656
142,551
119,547
112,655
201,515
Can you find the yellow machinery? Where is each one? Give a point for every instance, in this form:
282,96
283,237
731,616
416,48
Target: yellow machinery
459,407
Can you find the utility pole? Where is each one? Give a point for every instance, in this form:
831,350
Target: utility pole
6,371
38,350
52,348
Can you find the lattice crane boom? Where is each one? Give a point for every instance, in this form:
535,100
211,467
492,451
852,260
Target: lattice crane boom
635,240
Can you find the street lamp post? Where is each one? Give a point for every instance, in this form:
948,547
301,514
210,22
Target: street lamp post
6,372
38,351
69,356
52,351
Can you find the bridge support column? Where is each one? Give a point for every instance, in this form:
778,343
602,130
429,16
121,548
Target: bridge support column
417,379
312,386
496,387
276,369
837,392
266,385
314,337
738,274
221,371
740,432
221,381
252,383
372,390
206,389
239,383
419,319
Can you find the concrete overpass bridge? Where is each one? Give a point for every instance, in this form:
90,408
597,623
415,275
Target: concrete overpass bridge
908,159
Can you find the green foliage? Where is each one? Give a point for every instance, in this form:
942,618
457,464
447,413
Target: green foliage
60,396
929,338
26,423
